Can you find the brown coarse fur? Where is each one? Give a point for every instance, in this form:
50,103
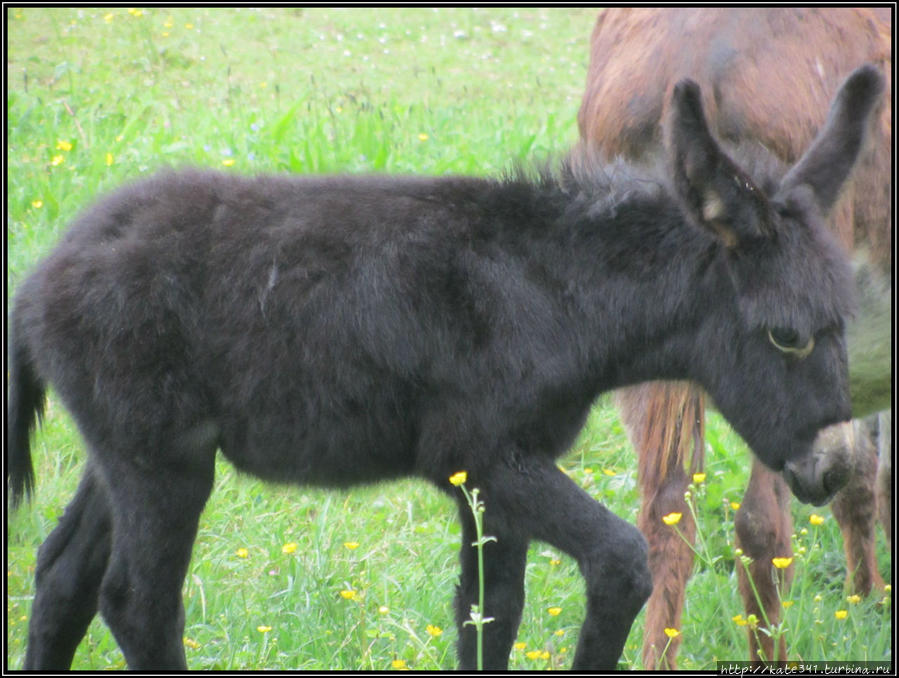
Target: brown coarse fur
763,528
674,427
737,55
855,509
764,73
885,473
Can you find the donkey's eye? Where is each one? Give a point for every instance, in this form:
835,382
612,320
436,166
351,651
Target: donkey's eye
787,340
784,337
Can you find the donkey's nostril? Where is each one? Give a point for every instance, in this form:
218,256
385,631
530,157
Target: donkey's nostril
794,482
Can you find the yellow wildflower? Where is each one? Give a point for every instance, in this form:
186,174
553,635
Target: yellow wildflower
398,663
189,26
544,654
37,204
458,478
135,12
109,159
63,145
108,18
841,614
698,478
554,611
57,160
263,629
228,162
735,505
672,633
349,594
554,561
787,604
854,599
672,518
192,644
738,619
815,519
351,545
242,553
434,631
608,472
289,547
520,645
422,137
560,632
383,610
781,563
168,23
533,654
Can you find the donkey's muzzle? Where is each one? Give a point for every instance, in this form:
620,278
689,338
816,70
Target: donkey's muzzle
817,476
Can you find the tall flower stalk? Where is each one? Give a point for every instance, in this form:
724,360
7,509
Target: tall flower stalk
476,616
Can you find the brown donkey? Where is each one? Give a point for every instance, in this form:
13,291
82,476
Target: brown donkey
765,75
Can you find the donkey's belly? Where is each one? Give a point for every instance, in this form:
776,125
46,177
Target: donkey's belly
334,452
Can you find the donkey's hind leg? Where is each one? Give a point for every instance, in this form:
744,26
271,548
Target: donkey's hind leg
671,564
157,497
665,424
764,526
70,567
528,497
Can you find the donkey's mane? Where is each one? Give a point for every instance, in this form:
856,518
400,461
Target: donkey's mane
588,185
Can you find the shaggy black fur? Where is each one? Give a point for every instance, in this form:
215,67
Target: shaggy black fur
348,330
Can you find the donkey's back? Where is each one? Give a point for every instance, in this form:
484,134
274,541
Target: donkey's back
293,317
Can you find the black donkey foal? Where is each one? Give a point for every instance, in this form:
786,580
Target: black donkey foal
339,330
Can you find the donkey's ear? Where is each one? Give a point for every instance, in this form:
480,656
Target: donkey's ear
829,160
718,195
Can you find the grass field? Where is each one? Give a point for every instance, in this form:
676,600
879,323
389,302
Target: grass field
297,578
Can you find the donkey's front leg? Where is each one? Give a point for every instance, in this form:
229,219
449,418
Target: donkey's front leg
613,559
504,565
530,498
855,509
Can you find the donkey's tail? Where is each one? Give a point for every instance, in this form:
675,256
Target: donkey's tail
27,396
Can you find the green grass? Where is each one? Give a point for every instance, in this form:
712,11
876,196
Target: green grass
99,96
